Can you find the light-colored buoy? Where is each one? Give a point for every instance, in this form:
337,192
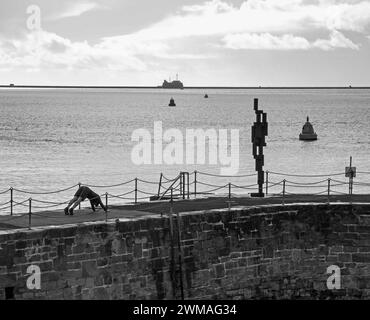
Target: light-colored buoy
172,103
308,133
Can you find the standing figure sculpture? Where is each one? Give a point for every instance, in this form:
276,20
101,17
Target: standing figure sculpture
259,133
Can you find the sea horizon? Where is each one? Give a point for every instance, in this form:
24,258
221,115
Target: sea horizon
36,86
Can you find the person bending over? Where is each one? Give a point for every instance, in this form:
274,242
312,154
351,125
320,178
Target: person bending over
81,194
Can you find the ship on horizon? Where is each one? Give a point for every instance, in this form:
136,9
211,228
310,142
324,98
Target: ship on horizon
175,84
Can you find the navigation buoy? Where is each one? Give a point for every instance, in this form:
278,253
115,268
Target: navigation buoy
206,96
308,134
172,103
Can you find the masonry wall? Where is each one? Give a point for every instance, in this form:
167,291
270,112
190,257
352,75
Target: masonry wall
252,253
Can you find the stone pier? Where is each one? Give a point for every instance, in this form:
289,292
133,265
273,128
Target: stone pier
265,252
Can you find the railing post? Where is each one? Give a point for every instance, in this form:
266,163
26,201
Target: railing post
229,201
11,201
267,182
188,183
350,189
180,185
350,181
180,254
183,185
329,190
172,266
135,190
160,184
106,207
195,183
29,212
284,191
79,205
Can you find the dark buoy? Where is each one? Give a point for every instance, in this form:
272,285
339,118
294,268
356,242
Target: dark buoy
172,103
308,134
206,96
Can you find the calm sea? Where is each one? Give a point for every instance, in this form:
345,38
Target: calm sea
53,139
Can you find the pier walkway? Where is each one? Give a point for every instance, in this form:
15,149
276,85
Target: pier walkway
133,211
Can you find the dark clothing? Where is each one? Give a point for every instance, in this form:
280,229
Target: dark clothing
85,192
81,194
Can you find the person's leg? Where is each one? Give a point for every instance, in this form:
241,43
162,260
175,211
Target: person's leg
92,205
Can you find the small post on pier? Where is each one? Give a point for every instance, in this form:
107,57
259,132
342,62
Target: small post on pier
11,201
267,182
29,212
106,207
180,185
229,201
350,177
329,190
195,183
350,172
135,190
183,174
160,184
188,183
172,266
284,191
350,180
79,205
180,254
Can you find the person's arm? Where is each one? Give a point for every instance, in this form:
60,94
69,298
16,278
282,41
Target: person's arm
92,205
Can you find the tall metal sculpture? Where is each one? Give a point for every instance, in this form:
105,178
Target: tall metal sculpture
259,133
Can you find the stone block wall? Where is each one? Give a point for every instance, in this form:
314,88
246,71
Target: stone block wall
267,252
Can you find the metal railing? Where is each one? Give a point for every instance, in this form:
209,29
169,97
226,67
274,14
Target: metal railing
180,187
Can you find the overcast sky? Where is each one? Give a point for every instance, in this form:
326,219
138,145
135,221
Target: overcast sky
218,42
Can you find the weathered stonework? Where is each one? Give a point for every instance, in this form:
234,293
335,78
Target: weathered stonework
270,251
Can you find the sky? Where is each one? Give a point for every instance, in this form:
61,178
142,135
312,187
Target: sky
208,43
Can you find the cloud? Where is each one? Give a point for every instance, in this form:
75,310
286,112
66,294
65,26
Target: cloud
195,32
260,24
261,16
44,49
267,41
75,9
337,40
